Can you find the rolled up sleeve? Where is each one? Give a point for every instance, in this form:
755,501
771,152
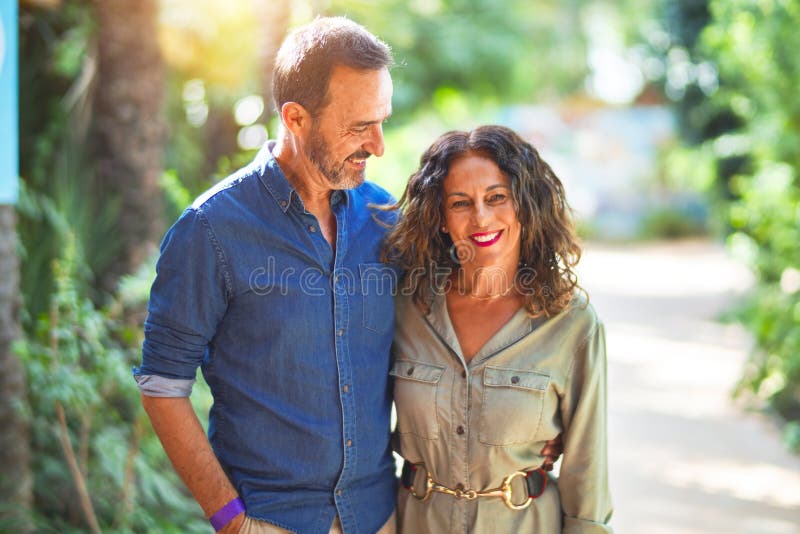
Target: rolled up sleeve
187,301
583,481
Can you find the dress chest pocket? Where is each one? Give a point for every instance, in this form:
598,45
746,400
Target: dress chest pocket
416,386
511,410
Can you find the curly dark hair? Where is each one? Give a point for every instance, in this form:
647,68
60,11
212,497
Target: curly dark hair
549,250
307,57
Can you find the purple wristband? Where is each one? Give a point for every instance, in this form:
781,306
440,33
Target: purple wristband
224,515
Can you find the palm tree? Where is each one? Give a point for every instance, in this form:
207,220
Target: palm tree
128,131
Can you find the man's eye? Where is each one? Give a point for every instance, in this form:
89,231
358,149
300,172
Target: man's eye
360,129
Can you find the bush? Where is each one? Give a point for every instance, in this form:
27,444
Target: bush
754,44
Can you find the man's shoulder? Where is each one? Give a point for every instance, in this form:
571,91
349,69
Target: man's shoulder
234,185
374,194
239,186
371,199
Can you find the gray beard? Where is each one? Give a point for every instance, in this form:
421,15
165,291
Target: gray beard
317,152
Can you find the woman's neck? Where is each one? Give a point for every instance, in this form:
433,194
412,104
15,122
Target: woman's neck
485,282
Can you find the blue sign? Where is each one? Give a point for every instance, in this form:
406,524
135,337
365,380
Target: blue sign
9,125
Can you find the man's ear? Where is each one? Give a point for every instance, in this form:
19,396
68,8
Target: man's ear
295,117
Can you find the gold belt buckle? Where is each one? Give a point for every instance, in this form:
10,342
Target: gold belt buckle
505,491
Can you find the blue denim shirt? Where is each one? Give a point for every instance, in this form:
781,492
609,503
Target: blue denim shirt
293,339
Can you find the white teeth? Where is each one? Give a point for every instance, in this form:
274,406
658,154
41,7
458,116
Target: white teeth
485,238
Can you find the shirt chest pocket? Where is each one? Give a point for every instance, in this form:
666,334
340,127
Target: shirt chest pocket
416,386
378,285
513,401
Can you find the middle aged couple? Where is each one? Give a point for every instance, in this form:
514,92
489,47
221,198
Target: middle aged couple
496,358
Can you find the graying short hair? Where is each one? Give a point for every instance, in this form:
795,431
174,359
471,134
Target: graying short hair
309,54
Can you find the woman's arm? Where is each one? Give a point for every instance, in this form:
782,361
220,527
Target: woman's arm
583,482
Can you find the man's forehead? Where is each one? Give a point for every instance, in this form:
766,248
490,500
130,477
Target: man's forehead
344,76
367,93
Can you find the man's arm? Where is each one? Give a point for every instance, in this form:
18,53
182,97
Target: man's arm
188,449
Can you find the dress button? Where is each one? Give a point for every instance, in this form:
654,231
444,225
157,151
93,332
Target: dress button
459,487
339,493
410,371
345,388
312,228
340,332
283,203
349,442
515,380
460,430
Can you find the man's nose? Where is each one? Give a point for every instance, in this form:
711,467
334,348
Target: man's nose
374,144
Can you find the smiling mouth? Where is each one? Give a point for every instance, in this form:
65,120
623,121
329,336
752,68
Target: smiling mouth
360,163
486,239
359,159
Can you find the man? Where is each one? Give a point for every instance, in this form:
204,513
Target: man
270,281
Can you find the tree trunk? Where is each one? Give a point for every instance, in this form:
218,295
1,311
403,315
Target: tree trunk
15,475
128,130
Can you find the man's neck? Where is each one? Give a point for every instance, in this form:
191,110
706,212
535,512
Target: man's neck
302,175
312,189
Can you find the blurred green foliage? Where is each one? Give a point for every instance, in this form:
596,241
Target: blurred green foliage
79,344
671,223
57,180
78,361
747,132
500,51
754,44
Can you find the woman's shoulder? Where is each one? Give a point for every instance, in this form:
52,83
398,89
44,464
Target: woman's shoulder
406,307
579,316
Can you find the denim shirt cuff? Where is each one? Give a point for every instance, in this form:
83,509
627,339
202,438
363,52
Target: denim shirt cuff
159,386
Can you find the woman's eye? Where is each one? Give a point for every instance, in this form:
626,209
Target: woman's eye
460,204
499,197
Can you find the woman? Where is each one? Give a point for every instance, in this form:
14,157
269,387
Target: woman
496,348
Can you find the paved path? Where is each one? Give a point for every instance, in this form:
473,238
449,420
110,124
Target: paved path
684,458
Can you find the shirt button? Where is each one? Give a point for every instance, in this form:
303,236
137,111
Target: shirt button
459,487
340,332
339,493
345,388
515,380
463,374
410,371
460,430
312,228
349,442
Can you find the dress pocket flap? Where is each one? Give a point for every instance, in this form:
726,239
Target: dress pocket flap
422,372
515,378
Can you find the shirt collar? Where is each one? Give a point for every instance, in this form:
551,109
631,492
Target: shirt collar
519,326
275,181
273,178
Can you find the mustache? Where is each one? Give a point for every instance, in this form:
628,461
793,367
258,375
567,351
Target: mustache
361,154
